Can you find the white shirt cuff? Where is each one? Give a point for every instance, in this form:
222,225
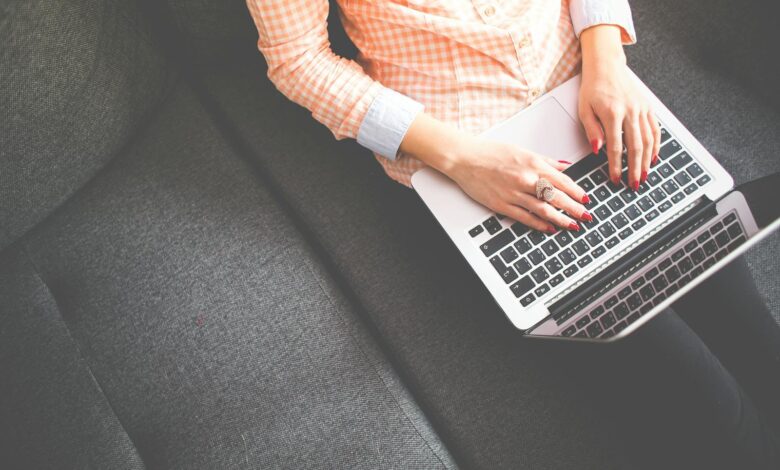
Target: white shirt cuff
587,13
386,122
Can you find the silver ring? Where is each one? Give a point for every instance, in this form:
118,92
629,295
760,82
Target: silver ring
544,190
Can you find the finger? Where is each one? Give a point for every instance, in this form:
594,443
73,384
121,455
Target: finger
570,206
565,184
612,126
656,129
592,128
559,165
546,211
648,142
526,218
633,134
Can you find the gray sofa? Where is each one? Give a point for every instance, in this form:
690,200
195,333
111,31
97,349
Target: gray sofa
193,274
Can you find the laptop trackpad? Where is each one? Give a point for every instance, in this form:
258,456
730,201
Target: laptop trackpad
545,128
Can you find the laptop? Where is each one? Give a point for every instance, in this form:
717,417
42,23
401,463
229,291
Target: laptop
642,251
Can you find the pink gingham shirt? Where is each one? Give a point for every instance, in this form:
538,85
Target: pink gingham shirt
470,63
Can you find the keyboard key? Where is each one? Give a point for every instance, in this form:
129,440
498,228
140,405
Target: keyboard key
664,265
638,224
627,195
650,216
682,178
476,231
598,177
660,283
625,233
556,280
616,204
594,329
541,290
690,246
539,274
669,186
611,302
697,256
735,244
536,237
703,237
734,230
647,292
553,265
678,197
583,321
665,206
601,193
563,238
566,256
593,238
550,247
619,221
527,300
665,135
722,239
681,160
633,317
621,310
586,184
710,247
690,188
606,229
569,331
598,252
678,255
536,256
522,286
717,227
499,241
602,212
608,320
492,225
519,229
672,274
509,254
623,293
645,204
729,218
645,308
570,271
694,170
506,272
703,180
584,261
522,245
657,194
620,327
653,178
665,171
522,266
696,271
669,149
651,273
581,247
634,301
637,283
612,242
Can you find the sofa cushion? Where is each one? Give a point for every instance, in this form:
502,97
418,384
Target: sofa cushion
77,78
210,327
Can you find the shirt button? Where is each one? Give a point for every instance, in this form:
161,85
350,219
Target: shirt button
489,10
534,93
525,42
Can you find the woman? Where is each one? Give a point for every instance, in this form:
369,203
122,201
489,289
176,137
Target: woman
433,74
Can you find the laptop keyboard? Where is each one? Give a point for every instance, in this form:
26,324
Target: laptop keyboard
531,263
627,302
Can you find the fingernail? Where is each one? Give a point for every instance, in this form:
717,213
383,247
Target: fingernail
564,162
596,145
573,226
586,217
635,186
655,159
644,176
551,229
615,181
585,199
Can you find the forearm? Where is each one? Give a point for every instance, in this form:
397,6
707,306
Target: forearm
435,143
601,45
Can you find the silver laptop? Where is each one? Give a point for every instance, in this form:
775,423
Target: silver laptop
642,251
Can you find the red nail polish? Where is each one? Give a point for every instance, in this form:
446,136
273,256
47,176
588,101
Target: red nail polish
574,226
655,159
644,176
564,162
551,229
596,145
635,186
586,217
585,199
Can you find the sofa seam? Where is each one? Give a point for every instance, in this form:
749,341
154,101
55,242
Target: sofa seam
81,356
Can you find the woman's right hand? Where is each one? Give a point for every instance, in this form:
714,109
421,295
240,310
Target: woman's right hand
503,177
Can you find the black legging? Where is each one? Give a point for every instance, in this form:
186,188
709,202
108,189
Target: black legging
699,385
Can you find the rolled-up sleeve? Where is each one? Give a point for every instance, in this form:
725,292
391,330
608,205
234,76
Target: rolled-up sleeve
587,13
293,38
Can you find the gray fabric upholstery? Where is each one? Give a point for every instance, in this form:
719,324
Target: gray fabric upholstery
209,325
52,411
77,77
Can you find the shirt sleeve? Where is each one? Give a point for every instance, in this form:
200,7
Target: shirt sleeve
293,38
587,13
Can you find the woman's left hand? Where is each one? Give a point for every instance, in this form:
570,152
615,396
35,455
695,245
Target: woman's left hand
613,109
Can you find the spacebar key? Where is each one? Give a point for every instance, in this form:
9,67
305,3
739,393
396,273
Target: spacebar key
584,166
501,240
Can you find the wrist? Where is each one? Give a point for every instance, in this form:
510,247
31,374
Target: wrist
437,144
602,47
